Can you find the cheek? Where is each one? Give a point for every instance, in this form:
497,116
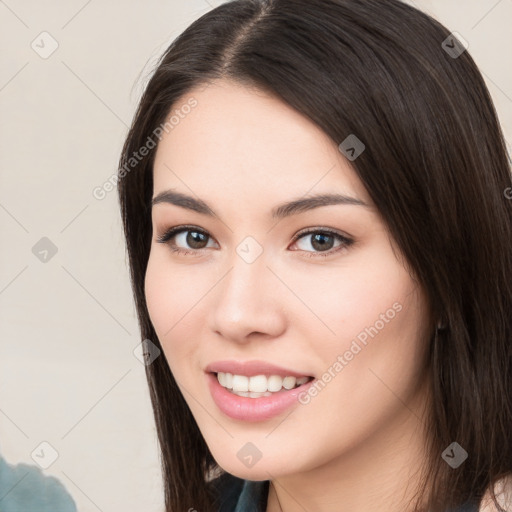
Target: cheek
170,298
369,382
370,290
378,316
383,347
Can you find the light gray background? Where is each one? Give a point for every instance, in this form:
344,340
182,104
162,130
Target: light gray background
68,375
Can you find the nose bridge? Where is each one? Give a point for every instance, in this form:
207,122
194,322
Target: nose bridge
244,302
244,286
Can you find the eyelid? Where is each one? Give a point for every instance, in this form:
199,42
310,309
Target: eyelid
320,229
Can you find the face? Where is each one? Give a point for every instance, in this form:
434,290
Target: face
315,292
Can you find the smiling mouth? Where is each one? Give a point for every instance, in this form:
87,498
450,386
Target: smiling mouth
257,386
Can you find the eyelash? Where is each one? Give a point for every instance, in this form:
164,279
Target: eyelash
170,233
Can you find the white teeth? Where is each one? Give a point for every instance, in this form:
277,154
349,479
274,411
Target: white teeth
275,383
289,382
240,383
241,393
258,385
253,394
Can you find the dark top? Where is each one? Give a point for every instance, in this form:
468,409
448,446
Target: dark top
237,495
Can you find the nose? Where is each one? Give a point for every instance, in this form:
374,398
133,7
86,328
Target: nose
247,303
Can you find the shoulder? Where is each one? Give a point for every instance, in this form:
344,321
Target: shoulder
30,489
503,490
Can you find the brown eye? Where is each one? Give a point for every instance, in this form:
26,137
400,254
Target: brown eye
323,241
195,239
185,239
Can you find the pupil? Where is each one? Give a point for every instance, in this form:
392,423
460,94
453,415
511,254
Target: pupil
322,237
194,238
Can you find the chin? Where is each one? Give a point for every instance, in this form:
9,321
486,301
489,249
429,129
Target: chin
262,469
255,474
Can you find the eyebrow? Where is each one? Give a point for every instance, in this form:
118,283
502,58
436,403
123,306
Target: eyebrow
279,212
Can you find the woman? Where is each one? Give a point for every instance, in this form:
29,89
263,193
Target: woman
314,197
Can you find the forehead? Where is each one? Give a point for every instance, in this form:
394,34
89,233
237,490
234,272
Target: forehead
238,140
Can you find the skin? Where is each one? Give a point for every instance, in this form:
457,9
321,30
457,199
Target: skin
358,444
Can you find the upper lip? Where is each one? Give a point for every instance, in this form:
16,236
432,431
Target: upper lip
251,368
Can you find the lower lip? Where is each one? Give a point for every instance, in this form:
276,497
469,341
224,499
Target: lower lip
253,409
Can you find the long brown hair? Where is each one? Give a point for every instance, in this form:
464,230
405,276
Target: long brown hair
435,166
